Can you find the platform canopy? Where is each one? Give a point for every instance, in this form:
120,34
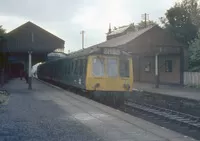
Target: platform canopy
30,37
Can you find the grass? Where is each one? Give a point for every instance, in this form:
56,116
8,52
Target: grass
193,86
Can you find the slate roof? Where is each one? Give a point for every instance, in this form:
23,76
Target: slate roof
115,42
121,40
119,30
29,36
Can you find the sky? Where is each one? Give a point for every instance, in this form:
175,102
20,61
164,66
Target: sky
66,18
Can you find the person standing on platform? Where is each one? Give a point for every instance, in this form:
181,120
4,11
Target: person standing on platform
26,76
21,74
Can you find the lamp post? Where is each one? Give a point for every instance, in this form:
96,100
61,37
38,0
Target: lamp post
157,70
30,63
29,70
82,32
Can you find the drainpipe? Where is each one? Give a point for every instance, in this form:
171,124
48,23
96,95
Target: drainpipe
157,70
29,71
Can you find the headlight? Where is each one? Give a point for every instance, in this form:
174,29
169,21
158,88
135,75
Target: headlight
127,86
96,85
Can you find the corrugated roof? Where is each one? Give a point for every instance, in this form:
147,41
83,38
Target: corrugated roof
29,36
32,25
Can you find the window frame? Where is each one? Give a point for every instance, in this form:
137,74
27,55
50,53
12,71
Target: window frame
81,67
124,59
68,68
104,67
147,65
84,66
72,67
76,69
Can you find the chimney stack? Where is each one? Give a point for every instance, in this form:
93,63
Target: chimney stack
109,30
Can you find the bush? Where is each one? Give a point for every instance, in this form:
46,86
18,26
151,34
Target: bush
194,52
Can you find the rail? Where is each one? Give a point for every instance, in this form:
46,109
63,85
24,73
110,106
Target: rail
167,113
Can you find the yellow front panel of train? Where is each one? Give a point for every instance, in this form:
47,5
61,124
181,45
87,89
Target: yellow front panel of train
107,76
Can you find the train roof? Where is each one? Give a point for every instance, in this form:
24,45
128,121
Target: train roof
92,50
55,55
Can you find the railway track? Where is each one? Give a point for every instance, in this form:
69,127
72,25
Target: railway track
186,124
190,120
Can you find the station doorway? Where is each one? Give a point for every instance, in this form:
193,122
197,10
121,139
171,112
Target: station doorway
15,69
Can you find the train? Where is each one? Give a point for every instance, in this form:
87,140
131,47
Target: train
104,74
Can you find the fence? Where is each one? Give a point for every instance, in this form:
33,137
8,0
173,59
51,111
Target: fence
192,78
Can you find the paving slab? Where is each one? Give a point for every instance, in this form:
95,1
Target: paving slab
177,91
51,113
34,116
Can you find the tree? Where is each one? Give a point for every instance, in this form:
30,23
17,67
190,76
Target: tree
178,22
142,25
2,31
194,52
193,9
2,59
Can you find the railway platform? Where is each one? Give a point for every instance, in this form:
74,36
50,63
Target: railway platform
180,99
176,91
51,113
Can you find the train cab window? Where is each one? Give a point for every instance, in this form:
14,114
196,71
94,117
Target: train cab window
98,67
112,67
124,68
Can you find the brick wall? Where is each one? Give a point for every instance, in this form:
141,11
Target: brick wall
144,69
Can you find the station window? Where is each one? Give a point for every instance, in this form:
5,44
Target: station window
147,67
124,68
168,66
98,66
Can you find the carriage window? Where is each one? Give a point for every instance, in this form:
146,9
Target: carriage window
112,67
81,67
84,65
76,66
68,71
124,68
98,67
72,66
